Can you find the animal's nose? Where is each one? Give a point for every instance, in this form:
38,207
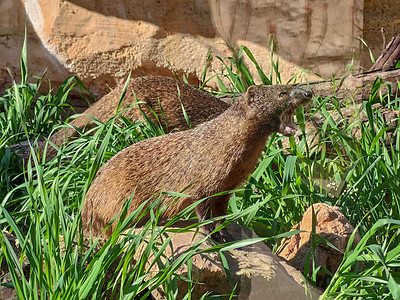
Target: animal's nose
301,93
307,94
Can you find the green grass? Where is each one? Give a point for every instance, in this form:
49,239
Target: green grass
364,172
41,203
47,223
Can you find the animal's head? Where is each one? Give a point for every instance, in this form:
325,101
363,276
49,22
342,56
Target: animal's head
273,106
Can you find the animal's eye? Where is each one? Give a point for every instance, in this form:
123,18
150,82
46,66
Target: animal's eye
281,94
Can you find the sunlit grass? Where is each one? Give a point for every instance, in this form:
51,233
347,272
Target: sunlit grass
41,202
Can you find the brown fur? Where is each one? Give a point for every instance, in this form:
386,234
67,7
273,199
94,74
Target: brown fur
152,90
214,157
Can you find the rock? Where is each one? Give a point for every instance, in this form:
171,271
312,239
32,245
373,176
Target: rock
332,225
11,39
102,43
7,292
316,35
259,273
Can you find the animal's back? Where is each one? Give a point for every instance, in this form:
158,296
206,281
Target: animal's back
164,95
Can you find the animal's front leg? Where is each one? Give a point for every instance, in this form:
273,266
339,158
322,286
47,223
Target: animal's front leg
219,206
203,213
214,207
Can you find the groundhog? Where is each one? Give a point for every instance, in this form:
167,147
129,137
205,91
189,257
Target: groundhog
216,156
164,95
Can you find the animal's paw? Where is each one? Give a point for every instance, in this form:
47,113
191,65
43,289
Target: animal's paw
221,236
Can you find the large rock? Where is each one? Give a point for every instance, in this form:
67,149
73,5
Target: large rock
12,25
318,35
101,43
330,224
258,272
380,24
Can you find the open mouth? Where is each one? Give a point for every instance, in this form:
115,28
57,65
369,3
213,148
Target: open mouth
287,126
301,97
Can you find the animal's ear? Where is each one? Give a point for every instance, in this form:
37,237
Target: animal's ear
250,94
282,94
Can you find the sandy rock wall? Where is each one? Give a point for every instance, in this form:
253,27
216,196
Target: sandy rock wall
12,27
379,15
101,41
317,35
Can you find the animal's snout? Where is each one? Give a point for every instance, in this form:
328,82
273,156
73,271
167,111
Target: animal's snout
307,94
300,93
